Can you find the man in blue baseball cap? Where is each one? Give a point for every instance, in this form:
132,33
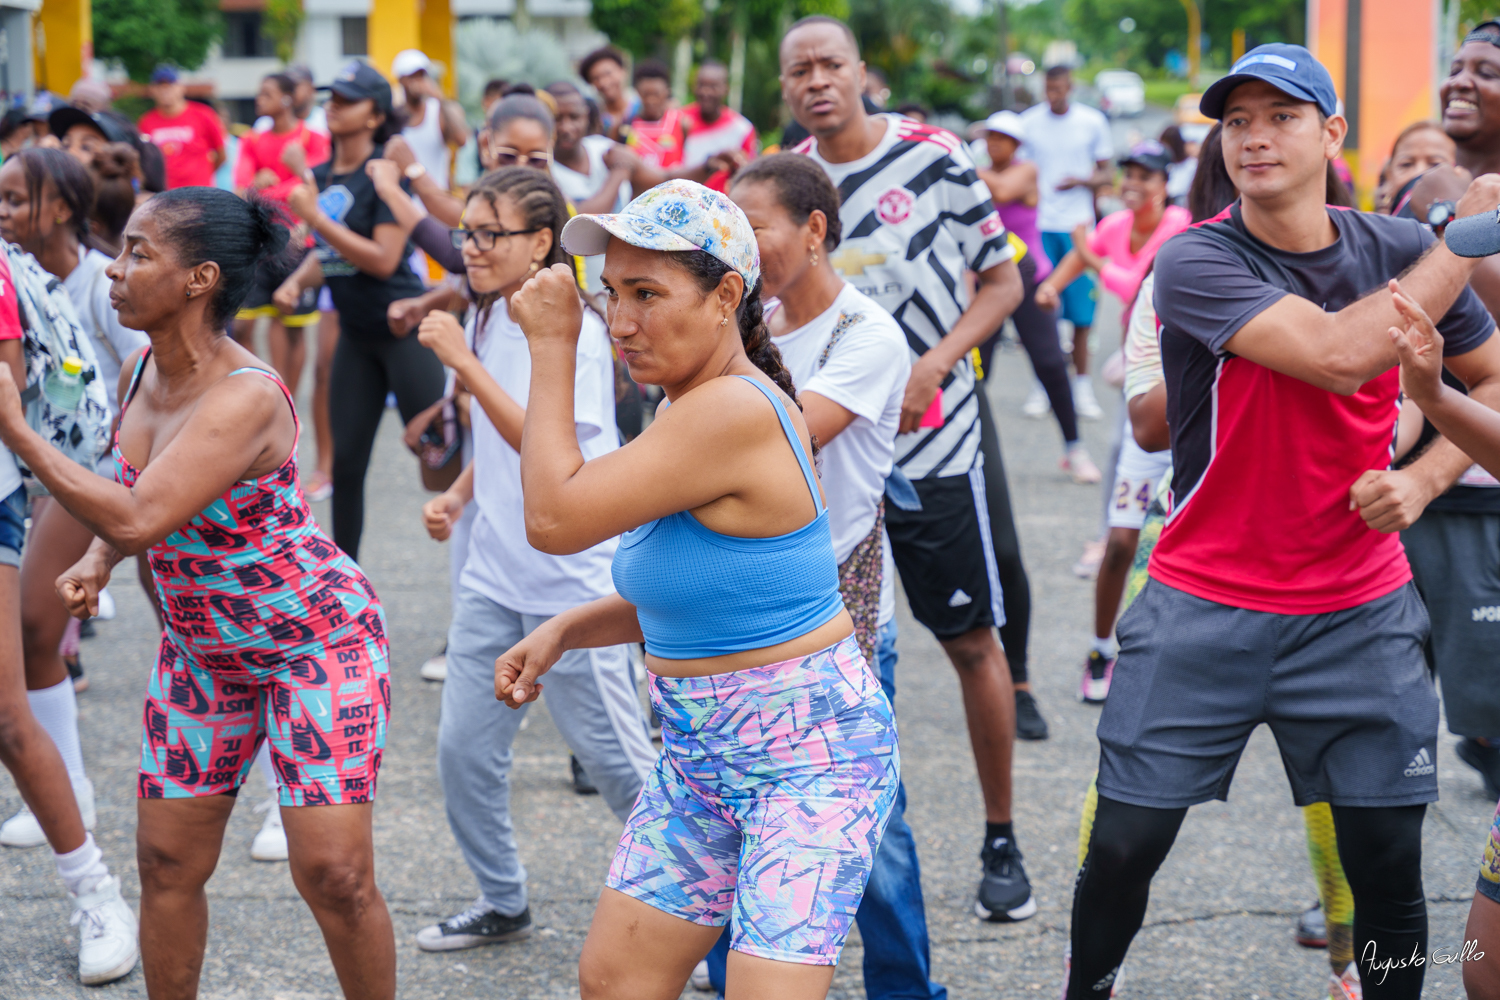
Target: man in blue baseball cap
188,133
1279,592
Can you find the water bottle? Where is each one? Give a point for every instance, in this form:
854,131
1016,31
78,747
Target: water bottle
64,386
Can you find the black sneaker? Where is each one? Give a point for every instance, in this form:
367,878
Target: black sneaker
1005,891
1485,760
75,670
1029,722
478,925
1312,929
581,783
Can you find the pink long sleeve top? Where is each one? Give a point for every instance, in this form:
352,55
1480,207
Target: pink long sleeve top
1124,271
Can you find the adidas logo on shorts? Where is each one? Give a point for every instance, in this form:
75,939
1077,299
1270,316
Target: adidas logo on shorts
959,599
1420,764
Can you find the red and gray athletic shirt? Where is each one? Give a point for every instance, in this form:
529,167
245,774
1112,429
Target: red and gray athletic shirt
1263,462
915,216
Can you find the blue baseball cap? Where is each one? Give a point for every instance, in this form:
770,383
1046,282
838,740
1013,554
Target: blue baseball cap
164,74
1291,69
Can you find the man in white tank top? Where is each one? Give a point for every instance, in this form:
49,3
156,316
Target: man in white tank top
433,123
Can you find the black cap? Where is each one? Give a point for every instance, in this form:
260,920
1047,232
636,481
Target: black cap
359,81
113,128
1149,154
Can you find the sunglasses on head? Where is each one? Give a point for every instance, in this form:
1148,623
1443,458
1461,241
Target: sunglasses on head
507,156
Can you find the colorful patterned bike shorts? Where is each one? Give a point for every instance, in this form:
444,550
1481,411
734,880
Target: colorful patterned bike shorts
324,709
1489,868
768,803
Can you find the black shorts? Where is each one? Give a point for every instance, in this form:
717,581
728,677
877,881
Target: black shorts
946,557
1346,693
258,300
1455,559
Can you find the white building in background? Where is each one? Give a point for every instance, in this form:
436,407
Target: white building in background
335,31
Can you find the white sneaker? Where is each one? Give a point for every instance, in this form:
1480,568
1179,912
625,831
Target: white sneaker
23,830
106,605
1079,466
1084,403
1347,986
435,669
1037,404
270,843
109,936
700,979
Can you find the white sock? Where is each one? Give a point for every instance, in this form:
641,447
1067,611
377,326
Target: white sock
56,708
267,769
1105,647
82,869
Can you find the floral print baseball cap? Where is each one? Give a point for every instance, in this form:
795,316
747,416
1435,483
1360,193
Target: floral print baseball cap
675,215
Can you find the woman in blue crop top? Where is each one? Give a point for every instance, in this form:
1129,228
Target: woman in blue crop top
780,762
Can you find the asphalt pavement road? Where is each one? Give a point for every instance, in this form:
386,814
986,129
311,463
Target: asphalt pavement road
1221,916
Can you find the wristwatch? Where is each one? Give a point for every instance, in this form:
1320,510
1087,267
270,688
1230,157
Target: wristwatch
414,171
1439,214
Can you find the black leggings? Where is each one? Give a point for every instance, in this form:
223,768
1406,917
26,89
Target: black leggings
1015,587
365,369
1037,329
1381,852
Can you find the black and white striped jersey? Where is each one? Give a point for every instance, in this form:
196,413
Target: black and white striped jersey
915,217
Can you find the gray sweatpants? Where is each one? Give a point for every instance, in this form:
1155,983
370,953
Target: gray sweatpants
590,697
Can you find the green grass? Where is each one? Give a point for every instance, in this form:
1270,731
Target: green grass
1164,93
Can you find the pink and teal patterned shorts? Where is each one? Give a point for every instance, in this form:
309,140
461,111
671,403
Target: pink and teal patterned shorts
768,803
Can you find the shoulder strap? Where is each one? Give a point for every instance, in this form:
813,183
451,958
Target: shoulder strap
274,378
135,379
796,442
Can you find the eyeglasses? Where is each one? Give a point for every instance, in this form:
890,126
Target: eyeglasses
508,156
484,239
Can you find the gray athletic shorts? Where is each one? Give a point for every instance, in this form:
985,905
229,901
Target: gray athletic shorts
1347,695
1455,559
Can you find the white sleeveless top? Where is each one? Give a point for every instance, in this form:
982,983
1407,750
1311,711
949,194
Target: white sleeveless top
426,141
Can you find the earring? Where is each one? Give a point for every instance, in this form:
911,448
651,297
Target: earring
59,220
535,267
188,293
814,258
723,321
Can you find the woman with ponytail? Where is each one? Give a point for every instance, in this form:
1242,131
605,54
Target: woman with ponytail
206,483
512,224
780,759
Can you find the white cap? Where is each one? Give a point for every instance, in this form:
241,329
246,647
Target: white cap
1006,123
409,61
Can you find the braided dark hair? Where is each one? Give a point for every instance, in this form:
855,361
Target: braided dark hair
239,234
801,186
540,203
708,271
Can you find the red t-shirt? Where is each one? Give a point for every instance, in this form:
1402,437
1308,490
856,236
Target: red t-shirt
185,142
10,306
1262,462
731,130
262,151
660,142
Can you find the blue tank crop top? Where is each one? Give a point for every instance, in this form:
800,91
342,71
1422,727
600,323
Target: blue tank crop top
699,593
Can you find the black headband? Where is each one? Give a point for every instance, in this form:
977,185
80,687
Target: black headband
1489,31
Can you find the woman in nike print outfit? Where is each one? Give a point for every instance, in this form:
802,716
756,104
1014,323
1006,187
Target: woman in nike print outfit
271,632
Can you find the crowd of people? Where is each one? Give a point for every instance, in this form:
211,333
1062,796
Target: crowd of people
693,405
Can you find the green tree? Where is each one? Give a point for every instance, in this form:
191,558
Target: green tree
1161,25
282,22
646,27
139,34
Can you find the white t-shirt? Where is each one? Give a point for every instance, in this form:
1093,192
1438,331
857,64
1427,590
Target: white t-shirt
865,371
577,187
1062,146
88,288
502,565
